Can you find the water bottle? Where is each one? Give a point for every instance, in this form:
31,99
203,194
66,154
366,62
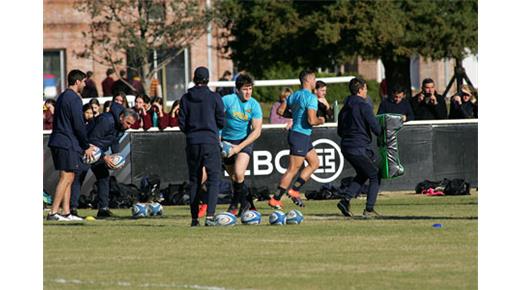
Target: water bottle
155,119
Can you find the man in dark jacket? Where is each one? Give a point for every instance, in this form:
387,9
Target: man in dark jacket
397,104
428,104
355,126
68,142
121,86
104,132
201,115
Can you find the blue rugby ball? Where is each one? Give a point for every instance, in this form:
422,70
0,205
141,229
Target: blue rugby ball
118,160
226,148
294,217
251,217
97,155
155,209
139,210
277,218
226,219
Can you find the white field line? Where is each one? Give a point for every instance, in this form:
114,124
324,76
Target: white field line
133,286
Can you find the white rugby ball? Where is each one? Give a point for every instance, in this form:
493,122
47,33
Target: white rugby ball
139,210
294,217
226,219
226,148
251,217
97,155
155,209
118,160
277,218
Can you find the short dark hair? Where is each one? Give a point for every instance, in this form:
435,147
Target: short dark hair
427,81
304,74
320,84
110,71
89,74
243,79
87,107
122,73
130,112
397,89
355,85
226,73
75,75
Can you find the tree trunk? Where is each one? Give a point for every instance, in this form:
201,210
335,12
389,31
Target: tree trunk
397,72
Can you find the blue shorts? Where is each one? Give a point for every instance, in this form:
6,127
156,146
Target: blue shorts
299,144
66,160
248,150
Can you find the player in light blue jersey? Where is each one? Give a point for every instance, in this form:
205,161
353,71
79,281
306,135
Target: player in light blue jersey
303,104
243,126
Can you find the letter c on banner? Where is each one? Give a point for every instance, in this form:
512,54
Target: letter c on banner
279,156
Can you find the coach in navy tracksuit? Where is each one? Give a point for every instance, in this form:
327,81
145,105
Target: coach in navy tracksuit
355,125
201,115
68,142
104,132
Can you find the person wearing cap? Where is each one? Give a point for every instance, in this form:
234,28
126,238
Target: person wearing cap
463,105
201,115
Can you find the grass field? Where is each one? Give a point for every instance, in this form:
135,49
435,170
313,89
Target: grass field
327,251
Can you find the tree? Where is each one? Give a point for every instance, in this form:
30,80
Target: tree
326,33
137,28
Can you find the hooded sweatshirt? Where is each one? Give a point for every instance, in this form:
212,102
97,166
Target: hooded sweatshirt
106,129
201,115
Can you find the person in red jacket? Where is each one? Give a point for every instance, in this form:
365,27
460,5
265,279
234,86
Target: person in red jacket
173,116
141,108
159,118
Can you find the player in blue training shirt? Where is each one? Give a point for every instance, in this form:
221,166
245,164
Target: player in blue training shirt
303,105
243,126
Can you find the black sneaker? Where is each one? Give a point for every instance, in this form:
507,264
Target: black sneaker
104,213
370,214
344,207
195,223
210,222
74,211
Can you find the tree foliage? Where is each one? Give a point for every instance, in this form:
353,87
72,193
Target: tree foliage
138,27
326,33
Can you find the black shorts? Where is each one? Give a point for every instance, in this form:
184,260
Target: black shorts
66,160
299,144
248,150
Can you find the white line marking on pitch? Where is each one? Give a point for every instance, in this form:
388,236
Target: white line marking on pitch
145,285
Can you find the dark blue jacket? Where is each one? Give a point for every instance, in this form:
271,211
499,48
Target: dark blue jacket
356,122
68,129
390,106
105,130
201,115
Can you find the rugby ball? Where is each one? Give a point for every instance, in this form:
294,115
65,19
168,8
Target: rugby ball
251,217
118,160
294,217
226,148
277,218
97,155
155,209
226,219
139,210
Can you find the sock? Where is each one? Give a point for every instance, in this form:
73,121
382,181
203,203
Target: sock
298,183
237,190
238,187
281,192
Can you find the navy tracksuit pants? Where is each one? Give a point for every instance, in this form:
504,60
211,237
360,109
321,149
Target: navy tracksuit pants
102,176
208,156
365,163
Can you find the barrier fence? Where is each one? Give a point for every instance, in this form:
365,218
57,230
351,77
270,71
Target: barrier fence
427,149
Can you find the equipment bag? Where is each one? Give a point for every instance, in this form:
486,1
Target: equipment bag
390,166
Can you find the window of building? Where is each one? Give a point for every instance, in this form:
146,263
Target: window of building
53,72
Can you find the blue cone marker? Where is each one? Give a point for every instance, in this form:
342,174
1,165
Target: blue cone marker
437,225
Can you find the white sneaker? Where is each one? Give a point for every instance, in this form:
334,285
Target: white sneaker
56,217
71,217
